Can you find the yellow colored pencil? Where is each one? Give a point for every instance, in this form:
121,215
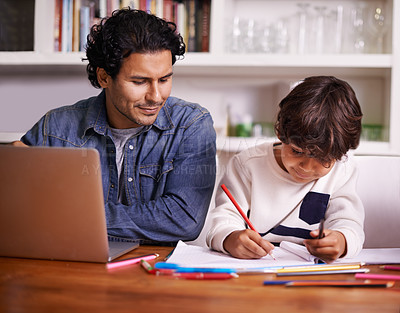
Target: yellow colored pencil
315,268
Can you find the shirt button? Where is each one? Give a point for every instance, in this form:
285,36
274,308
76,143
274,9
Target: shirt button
112,185
130,179
131,147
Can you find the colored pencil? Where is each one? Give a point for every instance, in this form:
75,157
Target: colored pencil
321,229
238,207
207,276
242,213
149,269
378,276
391,267
327,283
315,268
321,283
131,261
328,272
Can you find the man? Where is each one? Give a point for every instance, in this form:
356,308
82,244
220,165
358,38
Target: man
157,152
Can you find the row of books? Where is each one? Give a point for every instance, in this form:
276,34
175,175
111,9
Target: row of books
74,18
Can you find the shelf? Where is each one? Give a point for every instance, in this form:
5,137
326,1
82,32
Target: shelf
39,58
217,60
237,144
200,64
284,64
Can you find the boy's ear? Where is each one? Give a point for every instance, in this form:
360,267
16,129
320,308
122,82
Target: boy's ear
102,77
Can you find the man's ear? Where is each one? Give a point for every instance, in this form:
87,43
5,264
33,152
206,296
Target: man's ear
102,77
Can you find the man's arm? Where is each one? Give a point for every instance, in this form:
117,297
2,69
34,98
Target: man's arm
179,214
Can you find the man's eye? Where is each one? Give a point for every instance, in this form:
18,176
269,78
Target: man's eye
138,82
296,151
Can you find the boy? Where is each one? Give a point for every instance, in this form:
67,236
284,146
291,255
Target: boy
287,187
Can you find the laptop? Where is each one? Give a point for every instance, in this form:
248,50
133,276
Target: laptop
52,207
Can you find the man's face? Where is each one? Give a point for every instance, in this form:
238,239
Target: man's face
300,166
136,95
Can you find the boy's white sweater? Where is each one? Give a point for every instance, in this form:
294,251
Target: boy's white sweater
274,199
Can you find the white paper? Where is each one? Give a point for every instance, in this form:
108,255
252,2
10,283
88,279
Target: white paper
196,256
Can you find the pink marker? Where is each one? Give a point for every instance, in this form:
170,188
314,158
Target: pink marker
391,267
377,276
130,261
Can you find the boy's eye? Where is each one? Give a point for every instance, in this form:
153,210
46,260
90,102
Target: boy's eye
138,82
298,152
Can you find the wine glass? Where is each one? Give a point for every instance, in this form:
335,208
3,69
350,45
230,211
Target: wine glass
320,29
378,22
235,36
358,22
303,20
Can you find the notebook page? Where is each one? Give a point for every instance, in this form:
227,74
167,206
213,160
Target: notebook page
195,256
298,250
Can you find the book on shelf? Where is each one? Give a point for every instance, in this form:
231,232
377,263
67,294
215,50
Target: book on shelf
57,25
16,25
74,18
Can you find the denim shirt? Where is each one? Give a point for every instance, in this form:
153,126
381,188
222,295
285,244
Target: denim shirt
170,167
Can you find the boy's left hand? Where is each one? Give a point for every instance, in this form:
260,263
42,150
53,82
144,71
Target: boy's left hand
329,248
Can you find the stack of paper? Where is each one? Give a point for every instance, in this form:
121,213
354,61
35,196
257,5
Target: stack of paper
288,254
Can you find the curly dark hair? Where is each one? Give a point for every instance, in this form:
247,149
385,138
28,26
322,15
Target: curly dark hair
322,116
128,31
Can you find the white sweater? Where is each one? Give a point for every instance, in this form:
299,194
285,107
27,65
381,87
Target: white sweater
261,186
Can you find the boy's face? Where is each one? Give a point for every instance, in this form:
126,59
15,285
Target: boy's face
300,166
136,95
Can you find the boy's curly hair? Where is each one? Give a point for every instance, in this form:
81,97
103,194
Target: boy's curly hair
322,116
128,31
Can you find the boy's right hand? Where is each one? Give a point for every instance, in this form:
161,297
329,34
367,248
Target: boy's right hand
247,244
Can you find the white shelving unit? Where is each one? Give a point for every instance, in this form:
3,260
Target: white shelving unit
217,78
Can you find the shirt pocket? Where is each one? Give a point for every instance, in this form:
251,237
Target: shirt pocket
153,179
314,206
155,171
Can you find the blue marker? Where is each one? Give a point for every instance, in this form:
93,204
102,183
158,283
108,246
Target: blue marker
276,282
182,269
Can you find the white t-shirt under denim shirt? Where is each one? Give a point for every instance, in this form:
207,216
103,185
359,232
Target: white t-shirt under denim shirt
120,137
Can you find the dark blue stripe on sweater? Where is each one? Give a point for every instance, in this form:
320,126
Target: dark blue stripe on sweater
289,231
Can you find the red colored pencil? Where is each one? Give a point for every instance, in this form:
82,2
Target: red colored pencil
242,213
205,275
238,207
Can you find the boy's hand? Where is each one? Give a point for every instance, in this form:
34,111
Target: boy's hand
247,244
329,248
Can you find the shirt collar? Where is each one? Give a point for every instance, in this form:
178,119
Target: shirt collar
164,120
96,116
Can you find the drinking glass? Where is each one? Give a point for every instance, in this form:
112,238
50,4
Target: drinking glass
320,29
358,22
302,35
378,24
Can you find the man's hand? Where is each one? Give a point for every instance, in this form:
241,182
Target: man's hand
247,244
18,143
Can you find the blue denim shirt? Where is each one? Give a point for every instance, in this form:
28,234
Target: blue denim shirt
170,166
